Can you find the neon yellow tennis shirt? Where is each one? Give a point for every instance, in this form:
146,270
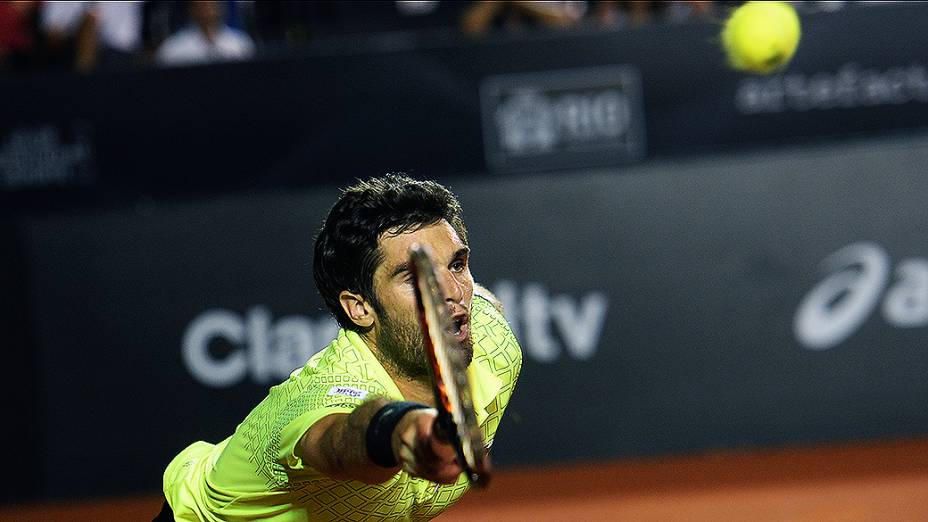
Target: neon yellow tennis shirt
257,474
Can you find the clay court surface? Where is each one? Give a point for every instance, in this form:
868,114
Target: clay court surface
864,482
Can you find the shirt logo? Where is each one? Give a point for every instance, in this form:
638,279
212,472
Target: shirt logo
347,391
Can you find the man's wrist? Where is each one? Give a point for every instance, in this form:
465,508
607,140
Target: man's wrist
380,432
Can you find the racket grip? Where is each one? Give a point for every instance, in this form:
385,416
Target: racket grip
440,430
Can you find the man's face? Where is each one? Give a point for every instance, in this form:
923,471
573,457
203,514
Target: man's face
397,332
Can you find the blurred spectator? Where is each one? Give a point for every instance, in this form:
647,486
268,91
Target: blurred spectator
611,13
161,19
291,23
18,34
207,39
295,22
374,16
483,16
91,34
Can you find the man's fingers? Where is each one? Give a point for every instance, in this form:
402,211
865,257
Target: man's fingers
422,452
437,460
429,447
409,468
406,456
443,471
406,433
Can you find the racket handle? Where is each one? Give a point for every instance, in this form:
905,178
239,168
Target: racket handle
440,429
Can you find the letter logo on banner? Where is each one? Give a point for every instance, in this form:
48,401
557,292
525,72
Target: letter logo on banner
835,308
48,156
850,86
215,324
259,346
527,122
536,317
906,303
563,119
838,306
548,326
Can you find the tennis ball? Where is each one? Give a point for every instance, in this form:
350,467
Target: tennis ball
761,37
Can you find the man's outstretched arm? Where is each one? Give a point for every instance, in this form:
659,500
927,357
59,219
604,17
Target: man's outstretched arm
338,445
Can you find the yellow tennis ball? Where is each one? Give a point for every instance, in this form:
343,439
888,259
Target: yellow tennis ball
761,37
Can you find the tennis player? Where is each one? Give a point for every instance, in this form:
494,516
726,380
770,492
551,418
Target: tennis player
349,436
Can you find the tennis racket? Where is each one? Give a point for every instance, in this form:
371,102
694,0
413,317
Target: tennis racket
456,421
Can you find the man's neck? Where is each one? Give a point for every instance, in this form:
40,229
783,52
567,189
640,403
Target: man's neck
412,389
415,391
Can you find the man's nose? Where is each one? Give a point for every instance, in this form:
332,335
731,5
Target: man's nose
451,288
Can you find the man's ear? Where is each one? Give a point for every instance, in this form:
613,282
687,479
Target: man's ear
357,308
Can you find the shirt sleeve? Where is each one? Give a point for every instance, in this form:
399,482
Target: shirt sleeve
330,394
497,350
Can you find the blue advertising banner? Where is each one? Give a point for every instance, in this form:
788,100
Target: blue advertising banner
723,302
700,289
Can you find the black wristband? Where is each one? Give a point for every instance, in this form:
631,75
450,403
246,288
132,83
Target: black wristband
380,431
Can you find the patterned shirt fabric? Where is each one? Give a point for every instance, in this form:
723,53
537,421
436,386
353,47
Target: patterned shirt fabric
257,473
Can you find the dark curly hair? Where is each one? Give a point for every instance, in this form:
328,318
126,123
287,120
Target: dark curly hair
347,250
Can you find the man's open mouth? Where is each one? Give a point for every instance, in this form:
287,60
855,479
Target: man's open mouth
459,328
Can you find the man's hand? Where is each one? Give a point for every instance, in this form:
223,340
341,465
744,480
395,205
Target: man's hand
421,451
336,446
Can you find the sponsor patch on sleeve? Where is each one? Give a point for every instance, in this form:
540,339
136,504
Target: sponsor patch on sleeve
347,391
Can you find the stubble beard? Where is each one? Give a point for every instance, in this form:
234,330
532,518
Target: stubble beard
404,347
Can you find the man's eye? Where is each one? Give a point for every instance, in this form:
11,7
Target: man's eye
458,266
